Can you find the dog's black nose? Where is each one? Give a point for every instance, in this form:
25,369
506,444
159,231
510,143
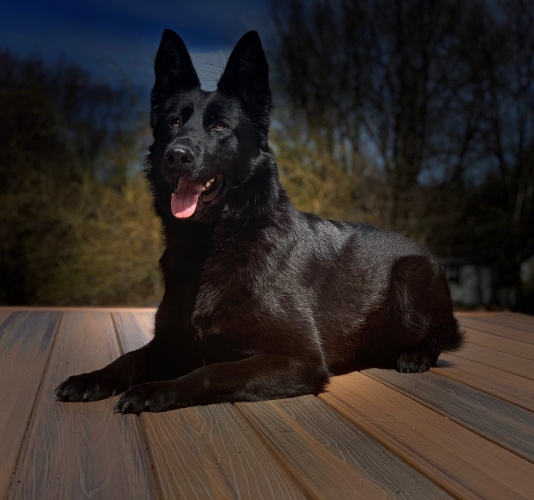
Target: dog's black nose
179,156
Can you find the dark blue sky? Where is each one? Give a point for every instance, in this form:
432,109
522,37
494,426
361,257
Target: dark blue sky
120,37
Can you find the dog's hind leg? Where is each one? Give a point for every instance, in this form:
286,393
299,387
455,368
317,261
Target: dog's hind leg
413,362
421,309
115,378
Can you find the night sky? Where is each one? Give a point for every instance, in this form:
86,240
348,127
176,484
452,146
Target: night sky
120,38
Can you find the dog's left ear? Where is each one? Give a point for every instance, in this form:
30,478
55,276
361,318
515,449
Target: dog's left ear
246,77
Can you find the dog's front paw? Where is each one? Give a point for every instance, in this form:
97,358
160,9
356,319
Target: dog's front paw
153,397
88,387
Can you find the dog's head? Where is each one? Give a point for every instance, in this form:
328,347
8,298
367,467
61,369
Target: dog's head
206,144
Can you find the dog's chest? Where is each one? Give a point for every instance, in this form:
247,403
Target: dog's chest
233,297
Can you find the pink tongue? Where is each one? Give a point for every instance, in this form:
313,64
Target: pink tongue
184,199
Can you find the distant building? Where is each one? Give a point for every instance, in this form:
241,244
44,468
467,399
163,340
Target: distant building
470,284
527,271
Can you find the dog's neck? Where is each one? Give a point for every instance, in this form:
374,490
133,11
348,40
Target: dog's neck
258,197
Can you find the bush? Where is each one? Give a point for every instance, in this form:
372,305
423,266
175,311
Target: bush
76,225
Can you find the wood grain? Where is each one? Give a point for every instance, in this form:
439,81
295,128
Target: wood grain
457,459
4,314
78,309
522,317
496,329
330,457
514,320
133,330
146,320
209,452
25,342
476,314
496,420
205,452
497,359
507,386
81,450
497,343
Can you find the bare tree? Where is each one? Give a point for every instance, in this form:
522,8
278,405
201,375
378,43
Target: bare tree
371,85
427,106
500,213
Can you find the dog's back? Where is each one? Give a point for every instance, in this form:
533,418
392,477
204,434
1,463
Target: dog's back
363,296
382,294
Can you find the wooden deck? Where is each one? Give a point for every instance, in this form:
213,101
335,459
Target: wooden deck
464,430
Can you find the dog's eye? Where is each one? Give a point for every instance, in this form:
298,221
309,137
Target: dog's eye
219,125
175,122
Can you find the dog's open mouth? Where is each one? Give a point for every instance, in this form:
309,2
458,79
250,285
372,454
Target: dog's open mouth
189,193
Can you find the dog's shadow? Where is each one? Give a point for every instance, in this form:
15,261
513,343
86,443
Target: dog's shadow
442,363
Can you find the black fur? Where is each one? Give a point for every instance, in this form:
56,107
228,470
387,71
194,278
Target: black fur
261,301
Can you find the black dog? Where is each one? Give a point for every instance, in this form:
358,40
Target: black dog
261,301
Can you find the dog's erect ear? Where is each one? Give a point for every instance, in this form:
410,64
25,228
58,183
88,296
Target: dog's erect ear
246,76
173,67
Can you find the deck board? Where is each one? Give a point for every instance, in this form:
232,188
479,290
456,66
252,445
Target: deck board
23,360
496,420
496,329
460,461
506,386
207,451
518,321
464,429
132,331
81,450
4,314
325,453
497,343
497,359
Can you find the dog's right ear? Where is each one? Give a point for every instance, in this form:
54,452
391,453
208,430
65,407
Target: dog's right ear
173,68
